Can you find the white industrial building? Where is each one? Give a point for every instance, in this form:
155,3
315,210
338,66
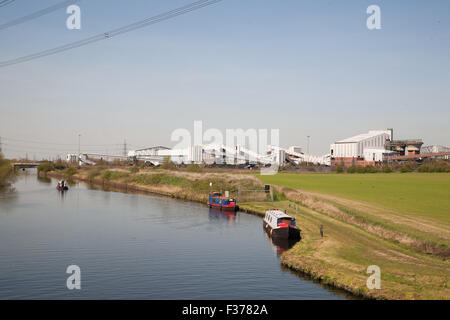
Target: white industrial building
222,154
368,146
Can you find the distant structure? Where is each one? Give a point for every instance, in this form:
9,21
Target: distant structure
361,150
372,148
80,159
434,149
378,146
222,154
405,147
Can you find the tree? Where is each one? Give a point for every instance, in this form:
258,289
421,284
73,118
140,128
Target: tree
7,174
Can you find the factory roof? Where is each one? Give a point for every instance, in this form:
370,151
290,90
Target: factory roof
364,136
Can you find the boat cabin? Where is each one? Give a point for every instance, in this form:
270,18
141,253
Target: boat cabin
278,219
224,203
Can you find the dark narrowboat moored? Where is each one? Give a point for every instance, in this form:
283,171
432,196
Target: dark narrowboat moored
281,225
216,200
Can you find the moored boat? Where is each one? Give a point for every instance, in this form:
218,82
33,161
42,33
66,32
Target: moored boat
281,225
216,200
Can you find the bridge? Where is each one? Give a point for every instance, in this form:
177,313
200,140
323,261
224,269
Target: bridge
23,165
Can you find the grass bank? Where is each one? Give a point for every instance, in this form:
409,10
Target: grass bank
395,221
193,186
410,247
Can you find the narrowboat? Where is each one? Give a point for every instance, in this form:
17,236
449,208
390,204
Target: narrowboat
280,225
61,186
216,200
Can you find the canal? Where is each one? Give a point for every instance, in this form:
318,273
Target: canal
132,246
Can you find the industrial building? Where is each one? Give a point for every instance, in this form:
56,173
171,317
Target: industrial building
222,154
378,146
361,150
372,148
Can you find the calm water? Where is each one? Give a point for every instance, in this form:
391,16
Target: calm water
131,246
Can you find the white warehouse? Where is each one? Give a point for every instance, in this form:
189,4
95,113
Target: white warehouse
367,146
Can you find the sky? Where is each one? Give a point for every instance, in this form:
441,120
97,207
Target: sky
305,67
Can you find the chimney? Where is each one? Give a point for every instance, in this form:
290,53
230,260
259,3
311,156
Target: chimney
392,133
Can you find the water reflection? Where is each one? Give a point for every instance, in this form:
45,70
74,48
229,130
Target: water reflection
153,247
62,193
8,198
280,245
219,215
44,179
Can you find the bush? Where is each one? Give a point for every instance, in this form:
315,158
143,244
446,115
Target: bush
371,169
159,178
351,169
112,175
386,169
134,169
7,174
59,165
70,171
278,196
406,168
92,173
360,169
45,167
424,168
339,168
194,168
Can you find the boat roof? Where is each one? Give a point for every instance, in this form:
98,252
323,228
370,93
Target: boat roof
278,214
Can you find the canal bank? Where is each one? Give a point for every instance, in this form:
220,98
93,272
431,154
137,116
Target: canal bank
134,246
339,259
123,184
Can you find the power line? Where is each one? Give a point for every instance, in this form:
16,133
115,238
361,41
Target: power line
109,34
62,144
26,147
37,14
6,2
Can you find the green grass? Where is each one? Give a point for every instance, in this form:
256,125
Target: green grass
423,194
342,256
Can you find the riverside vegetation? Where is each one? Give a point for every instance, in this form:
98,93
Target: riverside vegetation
7,174
397,221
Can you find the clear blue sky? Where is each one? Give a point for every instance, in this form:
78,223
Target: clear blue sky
307,67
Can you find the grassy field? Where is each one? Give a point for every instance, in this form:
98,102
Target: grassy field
423,194
400,222
342,256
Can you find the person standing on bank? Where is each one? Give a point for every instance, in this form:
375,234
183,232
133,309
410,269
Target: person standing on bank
321,230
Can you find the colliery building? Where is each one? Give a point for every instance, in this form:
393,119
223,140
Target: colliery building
378,146
361,150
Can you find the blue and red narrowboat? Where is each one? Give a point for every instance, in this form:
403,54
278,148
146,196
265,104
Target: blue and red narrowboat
216,200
